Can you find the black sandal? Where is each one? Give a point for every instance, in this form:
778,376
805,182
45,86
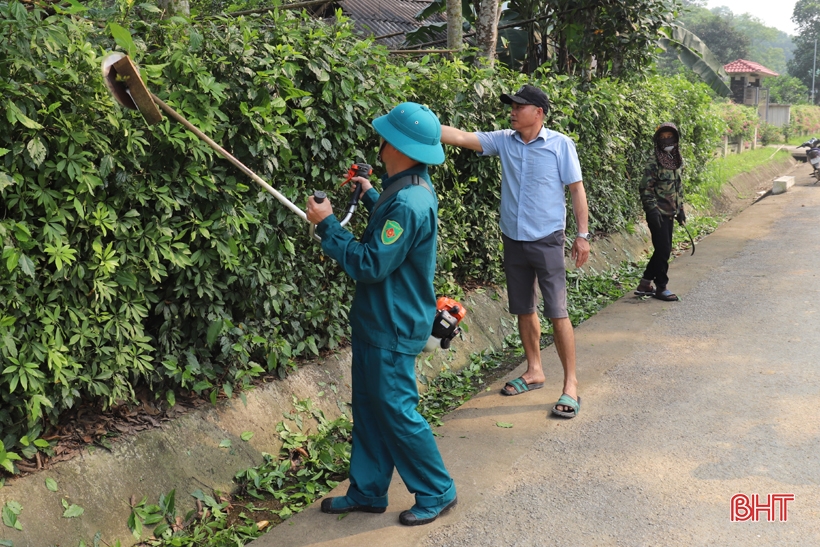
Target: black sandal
645,289
666,295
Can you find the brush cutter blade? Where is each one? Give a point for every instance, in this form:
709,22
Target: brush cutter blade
122,78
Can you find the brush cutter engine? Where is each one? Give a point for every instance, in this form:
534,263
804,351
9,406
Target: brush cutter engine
449,314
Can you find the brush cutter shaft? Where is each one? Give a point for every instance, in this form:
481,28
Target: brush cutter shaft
228,156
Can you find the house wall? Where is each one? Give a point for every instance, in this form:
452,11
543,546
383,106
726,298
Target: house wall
738,87
778,114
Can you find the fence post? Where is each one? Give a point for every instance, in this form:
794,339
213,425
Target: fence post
740,146
754,140
725,145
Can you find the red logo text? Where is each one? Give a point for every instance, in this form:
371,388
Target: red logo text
775,507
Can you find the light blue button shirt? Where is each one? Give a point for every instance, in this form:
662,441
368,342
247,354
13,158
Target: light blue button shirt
533,176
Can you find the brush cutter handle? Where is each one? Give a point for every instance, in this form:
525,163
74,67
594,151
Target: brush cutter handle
318,197
225,154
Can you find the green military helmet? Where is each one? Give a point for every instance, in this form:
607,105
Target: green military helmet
413,130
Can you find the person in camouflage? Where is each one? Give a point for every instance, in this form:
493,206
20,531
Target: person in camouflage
662,197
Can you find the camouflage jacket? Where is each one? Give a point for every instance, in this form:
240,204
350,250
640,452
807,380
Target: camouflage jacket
661,188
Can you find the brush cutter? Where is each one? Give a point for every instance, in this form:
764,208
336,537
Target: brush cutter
122,78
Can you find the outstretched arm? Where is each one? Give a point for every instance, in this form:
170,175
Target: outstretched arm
463,139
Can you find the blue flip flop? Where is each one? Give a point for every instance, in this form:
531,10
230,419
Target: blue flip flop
520,386
566,400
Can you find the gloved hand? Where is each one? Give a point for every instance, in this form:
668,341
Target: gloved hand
681,217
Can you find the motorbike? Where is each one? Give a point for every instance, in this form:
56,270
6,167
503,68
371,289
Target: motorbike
813,156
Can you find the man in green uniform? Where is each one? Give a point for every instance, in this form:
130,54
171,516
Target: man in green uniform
392,317
662,199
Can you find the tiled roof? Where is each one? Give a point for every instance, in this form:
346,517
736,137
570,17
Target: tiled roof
380,17
743,66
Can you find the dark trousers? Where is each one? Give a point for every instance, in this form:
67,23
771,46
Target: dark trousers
661,228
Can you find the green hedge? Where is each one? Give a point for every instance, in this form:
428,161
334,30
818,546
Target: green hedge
741,120
134,255
805,119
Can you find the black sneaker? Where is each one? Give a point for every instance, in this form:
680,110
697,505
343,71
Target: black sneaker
327,507
409,519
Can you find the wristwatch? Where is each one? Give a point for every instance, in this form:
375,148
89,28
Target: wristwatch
584,235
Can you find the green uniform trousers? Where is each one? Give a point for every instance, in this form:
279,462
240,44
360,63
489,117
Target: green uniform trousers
389,432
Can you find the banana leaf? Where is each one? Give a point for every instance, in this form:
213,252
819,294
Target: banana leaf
693,53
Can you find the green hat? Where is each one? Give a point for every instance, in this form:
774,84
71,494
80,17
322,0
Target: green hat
413,130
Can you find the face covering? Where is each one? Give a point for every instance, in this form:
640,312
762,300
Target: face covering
668,148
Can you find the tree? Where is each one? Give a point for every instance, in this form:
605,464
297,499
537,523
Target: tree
787,90
176,7
806,16
582,37
487,31
598,37
482,15
727,43
802,63
770,47
454,18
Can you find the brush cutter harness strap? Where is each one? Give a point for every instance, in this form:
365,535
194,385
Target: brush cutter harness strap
398,186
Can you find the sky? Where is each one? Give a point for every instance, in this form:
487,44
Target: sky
773,13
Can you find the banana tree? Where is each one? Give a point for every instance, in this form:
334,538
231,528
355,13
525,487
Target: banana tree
693,53
619,35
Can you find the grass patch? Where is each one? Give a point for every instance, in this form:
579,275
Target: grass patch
722,170
798,140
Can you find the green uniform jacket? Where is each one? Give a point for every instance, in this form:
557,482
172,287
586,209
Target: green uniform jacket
393,265
661,189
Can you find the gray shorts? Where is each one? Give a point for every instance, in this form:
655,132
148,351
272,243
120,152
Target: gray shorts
531,264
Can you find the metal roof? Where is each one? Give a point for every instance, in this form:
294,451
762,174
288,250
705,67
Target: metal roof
380,17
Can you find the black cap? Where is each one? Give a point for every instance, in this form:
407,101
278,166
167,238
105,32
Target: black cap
528,94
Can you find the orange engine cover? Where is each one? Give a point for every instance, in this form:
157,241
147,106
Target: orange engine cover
456,310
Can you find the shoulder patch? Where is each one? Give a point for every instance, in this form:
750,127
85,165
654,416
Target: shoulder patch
391,232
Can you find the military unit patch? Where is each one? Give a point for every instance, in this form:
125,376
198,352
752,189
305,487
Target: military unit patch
391,232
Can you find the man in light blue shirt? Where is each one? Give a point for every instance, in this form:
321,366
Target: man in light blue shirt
536,165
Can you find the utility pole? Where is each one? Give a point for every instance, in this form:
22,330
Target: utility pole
813,70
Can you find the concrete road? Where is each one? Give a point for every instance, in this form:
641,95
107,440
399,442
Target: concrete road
684,405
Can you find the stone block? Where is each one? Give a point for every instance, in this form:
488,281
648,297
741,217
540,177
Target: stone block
781,184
